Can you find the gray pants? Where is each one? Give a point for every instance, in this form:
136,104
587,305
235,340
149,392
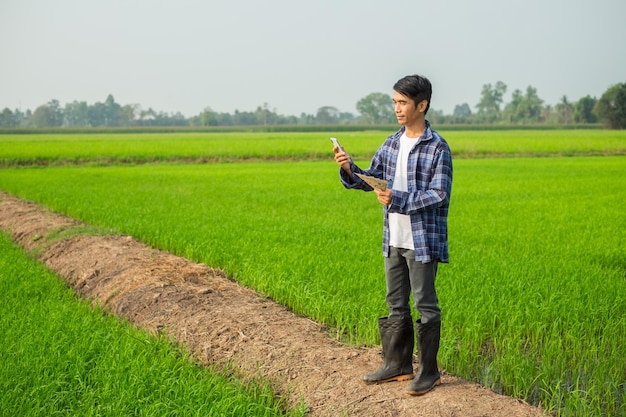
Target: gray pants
403,275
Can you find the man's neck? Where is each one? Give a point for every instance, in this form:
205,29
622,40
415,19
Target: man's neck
415,129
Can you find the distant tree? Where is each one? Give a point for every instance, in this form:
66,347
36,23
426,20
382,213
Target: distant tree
564,111
111,111
306,119
462,113
511,110
76,113
289,120
491,97
224,119
96,114
7,118
583,110
436,116
42,116
524,108
376,108
264,116
57,112
327,115
549,115
178,119
169,119
532,105
611,108
48,115
346,118
24,119
127,114
244,118
208,118
146,117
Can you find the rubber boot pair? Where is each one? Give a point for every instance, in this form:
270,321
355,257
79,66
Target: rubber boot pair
428,335
398,341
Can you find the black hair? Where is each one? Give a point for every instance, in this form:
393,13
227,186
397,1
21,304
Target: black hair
415,87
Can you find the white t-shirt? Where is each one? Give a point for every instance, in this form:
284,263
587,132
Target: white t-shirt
400,235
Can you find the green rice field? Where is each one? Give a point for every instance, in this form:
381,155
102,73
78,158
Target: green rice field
533,301
59,149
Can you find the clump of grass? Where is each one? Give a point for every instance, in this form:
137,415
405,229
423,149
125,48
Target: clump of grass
69,232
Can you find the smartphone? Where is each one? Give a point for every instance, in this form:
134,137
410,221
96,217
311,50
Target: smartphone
336,143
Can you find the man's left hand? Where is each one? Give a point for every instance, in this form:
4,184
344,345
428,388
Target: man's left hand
384,196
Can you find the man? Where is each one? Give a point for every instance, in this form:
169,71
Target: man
417,163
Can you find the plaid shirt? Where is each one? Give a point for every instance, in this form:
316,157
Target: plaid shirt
427,200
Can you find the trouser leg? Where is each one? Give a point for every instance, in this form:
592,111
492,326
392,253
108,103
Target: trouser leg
405,275
398,285
422,278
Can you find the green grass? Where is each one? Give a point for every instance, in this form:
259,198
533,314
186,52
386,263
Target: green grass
541,262
61,357
534,301
60,149
515,143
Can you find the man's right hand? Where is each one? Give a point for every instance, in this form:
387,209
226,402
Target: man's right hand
343,160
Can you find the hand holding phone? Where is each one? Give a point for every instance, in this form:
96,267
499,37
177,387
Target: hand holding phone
337,144
341,157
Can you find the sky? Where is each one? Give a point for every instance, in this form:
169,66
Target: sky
297,56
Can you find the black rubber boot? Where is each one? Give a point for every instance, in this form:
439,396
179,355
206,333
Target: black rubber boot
428,376
398,342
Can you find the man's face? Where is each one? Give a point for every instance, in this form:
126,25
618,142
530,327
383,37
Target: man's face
406,110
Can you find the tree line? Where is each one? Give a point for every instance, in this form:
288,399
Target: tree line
524,108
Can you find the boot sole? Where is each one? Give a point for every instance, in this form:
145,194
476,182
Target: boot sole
405,377
424,391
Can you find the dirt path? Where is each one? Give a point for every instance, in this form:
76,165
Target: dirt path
225,324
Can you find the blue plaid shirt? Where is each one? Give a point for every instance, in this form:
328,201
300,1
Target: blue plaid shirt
427,200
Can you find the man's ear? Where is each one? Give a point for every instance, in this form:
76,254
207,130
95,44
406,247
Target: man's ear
421,106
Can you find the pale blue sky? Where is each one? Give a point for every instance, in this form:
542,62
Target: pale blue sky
297,56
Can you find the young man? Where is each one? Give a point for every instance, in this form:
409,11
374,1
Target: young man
417,163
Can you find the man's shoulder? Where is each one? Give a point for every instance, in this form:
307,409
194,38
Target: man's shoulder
397,134
394,137
436,138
